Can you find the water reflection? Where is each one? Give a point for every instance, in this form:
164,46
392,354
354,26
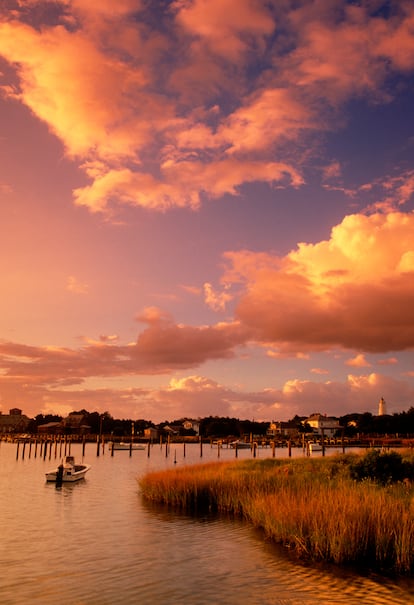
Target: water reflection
236,558
96,543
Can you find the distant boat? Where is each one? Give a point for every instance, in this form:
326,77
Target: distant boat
315,447
122,445
68,471
240,445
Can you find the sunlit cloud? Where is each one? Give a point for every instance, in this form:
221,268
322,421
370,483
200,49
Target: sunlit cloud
319,371
359,361
153,114
389,361
354,290
77,287
214,299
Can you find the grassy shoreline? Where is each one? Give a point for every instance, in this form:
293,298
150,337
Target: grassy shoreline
314,506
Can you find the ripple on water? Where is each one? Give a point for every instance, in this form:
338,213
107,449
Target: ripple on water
97,543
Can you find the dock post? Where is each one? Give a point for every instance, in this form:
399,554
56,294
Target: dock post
201,447
290,448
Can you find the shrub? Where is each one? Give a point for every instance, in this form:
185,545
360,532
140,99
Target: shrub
382,467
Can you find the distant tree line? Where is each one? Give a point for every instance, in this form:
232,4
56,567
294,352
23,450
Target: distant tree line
217,426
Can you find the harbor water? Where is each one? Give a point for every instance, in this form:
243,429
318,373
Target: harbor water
96,542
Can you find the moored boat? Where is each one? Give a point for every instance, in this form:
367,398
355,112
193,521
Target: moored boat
315,447
122,445
240,445
68,471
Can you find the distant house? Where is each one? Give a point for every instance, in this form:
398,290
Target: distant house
75,424
192,425
323,423
14,422
50,428
282,429
151,433
173,429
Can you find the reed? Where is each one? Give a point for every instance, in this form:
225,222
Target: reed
312,506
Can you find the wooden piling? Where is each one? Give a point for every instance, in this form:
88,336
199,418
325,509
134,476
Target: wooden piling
201,447
17,452
290,448
184,449
83,445
98,445
149,447
273,449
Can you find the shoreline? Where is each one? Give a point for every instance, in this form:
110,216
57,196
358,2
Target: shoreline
321,509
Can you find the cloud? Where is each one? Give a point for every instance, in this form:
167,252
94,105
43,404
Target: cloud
75,286
164,106
354,291
358,361
161,348
349,51
319,371
198,396
227,27
216,300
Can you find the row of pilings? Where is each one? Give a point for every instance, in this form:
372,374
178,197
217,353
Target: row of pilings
59,446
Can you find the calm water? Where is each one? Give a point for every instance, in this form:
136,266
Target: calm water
96,543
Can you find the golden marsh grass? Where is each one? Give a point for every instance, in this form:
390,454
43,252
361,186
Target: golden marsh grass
312,506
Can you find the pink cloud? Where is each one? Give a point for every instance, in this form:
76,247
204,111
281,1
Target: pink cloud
151,123
358,361
353,291
227,27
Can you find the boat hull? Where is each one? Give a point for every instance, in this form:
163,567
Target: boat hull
126,446
241,445
68,472
67,477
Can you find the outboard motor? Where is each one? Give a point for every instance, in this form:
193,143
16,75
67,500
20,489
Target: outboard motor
59,475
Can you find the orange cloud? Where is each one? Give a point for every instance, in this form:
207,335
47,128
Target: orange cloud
228,27
355,290
207,102
75,286
358,361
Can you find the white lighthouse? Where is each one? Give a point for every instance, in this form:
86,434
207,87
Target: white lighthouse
382,407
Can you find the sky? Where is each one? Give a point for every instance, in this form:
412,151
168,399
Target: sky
206,207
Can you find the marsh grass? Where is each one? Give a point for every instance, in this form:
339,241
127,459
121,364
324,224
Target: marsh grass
312,506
